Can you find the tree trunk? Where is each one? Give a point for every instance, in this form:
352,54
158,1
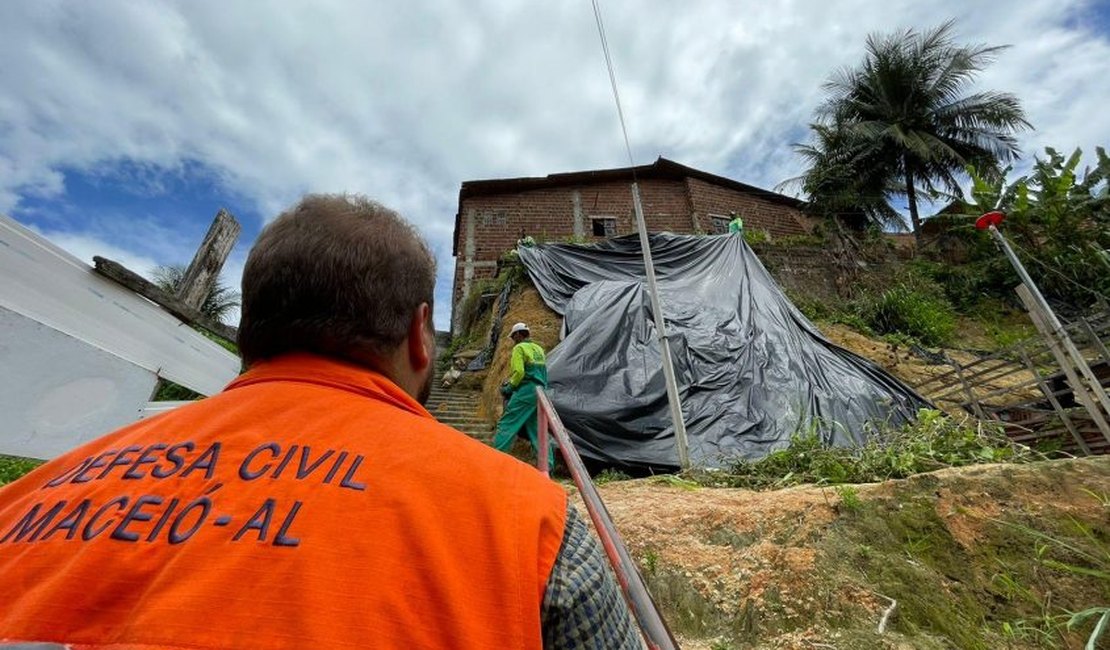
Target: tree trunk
911,196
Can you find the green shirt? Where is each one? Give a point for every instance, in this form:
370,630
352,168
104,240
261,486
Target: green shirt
736,225
528,362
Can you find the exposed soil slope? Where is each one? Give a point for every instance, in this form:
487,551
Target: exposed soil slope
813,567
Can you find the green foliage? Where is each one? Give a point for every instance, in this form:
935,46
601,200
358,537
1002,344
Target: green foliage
674,481
1101,627
470,313
14,467
167,391
844,181
1056,218
1086,554
849,498
913,311
934,441
903,122
610,476
963,286
218,302
756,236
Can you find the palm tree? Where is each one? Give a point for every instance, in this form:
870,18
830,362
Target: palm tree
843,183
906,107
218,302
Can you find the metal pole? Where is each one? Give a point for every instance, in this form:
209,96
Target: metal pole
1053,322
652,625
661,331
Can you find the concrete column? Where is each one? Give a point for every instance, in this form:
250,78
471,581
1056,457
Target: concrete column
579,219
470,246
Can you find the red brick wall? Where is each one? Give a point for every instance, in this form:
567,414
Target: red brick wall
779,220
548,215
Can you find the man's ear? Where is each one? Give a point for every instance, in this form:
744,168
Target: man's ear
420,354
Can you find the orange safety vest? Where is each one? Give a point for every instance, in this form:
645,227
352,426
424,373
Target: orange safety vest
312,504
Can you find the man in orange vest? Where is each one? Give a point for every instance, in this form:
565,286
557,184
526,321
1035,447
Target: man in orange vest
314,503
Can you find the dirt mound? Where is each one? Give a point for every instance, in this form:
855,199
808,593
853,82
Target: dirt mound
528,307
966,553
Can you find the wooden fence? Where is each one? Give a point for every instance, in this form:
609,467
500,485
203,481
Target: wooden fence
1038,390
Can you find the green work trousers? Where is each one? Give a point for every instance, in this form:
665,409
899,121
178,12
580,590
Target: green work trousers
520,414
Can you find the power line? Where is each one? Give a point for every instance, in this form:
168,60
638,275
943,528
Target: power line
613,84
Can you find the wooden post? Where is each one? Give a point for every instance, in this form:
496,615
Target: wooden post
147,289
974,403
209,259
1050,325
1078,388
1048,392
1095,340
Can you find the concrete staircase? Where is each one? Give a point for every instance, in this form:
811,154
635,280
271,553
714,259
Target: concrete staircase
458,408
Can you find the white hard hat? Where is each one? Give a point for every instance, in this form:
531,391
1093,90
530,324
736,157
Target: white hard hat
519,327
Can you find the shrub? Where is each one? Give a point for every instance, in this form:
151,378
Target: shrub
756,236
933,441
13,467
912,311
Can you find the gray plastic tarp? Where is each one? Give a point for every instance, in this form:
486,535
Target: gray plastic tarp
752,370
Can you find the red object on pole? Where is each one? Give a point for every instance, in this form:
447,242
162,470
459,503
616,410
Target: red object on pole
990,219
652,626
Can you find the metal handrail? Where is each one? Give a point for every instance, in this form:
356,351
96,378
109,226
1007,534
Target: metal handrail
652,626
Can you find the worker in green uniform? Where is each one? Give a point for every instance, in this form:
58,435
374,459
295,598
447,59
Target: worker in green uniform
528,370
736,225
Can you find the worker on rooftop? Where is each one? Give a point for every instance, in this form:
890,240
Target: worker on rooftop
314,503
528,370
736,225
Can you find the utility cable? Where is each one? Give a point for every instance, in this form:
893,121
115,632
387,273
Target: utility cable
613,85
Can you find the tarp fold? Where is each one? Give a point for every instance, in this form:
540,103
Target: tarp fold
752,370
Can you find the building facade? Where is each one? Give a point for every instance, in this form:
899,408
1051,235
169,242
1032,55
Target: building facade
594,205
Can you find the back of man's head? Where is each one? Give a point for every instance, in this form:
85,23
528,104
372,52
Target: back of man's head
336,275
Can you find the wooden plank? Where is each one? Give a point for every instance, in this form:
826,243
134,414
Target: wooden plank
1060,411
967,392
1062,357
204,270
45,283
1095,340
147,289
59,391
79,353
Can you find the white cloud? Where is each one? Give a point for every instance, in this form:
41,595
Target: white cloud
404,101
84,248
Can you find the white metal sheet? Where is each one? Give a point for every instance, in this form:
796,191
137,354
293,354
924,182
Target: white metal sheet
50,286
57,392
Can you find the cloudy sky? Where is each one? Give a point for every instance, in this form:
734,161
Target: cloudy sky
125,125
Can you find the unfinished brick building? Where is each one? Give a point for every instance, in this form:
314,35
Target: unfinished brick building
593,205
